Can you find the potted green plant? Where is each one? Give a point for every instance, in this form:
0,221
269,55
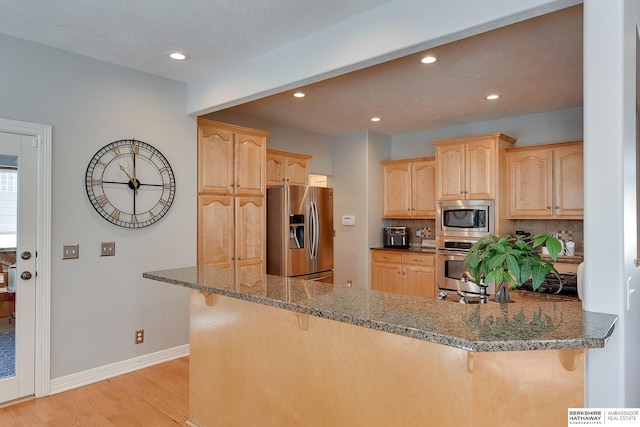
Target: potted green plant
511,261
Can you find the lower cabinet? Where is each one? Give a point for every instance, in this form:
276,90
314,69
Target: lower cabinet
231,232
407,273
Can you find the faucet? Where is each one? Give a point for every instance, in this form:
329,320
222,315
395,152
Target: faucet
463,297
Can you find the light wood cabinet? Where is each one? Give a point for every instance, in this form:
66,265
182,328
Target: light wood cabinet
546,181
408,188
470,168
407,273
287,168
231,198
231,159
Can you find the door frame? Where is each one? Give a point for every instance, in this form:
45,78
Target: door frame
42,133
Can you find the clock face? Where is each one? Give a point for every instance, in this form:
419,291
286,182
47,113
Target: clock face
130,183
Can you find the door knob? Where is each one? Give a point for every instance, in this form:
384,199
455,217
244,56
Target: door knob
25,255
26,275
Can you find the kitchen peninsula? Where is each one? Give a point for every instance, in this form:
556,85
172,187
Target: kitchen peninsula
283,351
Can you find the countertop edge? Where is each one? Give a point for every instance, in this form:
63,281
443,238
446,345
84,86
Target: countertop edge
438,338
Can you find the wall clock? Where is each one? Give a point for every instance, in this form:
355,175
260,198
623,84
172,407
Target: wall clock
130,183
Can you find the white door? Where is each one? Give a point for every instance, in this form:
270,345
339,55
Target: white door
18,196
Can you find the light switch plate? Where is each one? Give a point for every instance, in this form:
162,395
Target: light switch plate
107,248
71,251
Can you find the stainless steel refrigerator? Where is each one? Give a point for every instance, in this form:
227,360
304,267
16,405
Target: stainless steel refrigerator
300,232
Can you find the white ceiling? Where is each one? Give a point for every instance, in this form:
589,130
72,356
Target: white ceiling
536,65
138,33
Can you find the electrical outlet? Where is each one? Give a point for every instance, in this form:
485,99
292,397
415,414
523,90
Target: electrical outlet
139,336
107,248
70,251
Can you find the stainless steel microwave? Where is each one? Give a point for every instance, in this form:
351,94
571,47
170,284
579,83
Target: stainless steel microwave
465,218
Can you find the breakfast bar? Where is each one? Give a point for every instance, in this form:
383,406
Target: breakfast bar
269,350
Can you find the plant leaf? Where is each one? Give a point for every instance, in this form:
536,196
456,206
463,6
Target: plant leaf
537,276
513,266
496,261
554,247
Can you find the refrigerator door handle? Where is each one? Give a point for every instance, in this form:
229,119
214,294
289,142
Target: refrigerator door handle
313,232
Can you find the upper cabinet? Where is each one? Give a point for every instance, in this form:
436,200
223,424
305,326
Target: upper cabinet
408,188
469,168
287,168
231,159
546,181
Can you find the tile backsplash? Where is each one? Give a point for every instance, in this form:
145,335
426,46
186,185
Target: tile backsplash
567,229
413,225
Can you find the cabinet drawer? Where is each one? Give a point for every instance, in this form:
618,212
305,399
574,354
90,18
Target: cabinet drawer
566,267
418,259
387,256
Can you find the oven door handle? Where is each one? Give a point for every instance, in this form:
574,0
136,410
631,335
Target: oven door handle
452,252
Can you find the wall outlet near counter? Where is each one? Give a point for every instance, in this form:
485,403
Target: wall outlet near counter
139,336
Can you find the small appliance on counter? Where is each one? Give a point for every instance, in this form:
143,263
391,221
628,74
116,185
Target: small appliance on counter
396,237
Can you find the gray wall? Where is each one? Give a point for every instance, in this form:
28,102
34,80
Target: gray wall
350,184
287,138
531,129
98,303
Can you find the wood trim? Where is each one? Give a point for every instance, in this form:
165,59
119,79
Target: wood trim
288,154
550,145
233,128
413,159
496,136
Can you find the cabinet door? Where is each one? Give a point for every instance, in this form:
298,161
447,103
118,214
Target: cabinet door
250,223
386,277
419,281
251,278
479,170
423,189
250,161
275,168
568,182
396,190
450,171
215,230
529,184
215,160
419,274
296,171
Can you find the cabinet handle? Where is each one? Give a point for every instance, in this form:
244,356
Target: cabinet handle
416,259
548,207
557,207
386,257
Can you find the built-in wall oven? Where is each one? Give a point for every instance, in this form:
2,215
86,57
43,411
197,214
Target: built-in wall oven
459,224
452,277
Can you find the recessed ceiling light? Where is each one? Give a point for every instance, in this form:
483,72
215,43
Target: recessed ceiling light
493,96
299,95
375,119
178,56
429,59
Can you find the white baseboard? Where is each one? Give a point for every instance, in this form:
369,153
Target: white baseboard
58,385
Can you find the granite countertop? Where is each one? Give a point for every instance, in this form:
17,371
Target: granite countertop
406,250
534,322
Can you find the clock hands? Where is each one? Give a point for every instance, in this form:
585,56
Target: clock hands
134,184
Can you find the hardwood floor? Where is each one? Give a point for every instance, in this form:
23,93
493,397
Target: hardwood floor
152,397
